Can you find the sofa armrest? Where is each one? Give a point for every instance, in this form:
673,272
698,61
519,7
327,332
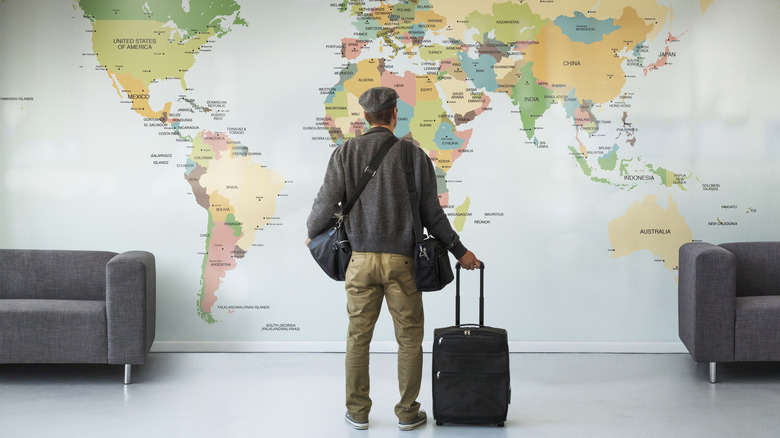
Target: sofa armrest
130,306
707,301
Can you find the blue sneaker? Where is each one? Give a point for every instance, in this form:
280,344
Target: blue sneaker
418,421
359,425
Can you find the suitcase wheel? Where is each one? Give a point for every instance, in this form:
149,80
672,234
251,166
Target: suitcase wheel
501,424
439,423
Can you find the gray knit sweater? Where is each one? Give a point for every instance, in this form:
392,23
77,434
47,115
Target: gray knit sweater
381,220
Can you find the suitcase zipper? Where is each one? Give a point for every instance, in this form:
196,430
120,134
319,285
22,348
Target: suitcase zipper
442,374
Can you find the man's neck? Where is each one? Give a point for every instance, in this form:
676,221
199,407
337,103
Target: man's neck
383,126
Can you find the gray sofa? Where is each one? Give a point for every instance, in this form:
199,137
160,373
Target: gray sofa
60,306
729,302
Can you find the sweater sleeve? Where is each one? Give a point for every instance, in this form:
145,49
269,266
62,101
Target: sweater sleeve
331,194
432,215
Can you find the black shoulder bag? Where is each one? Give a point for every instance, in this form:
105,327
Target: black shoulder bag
330,248
432,269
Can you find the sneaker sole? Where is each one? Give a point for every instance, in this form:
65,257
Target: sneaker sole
412,426
356,425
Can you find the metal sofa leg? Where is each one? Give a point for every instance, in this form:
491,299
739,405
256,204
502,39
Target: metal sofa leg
128,373
713,372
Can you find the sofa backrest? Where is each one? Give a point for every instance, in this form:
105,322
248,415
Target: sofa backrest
53,274
758,267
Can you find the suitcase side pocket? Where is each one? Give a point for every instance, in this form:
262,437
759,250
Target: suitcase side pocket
472,363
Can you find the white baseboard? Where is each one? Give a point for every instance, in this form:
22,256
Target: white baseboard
390,347
248,347
597,347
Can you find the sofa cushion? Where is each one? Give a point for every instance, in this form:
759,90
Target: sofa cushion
757,332
53,274
53,331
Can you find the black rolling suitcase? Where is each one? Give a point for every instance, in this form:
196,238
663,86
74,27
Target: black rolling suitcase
470,368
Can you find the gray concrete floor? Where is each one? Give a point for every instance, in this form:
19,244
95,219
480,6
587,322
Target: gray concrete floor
301,395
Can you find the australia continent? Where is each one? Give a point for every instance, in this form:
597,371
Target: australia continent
647,225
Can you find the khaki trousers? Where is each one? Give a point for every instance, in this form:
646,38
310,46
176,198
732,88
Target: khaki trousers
371,277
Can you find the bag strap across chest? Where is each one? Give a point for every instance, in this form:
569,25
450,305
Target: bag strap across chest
369,173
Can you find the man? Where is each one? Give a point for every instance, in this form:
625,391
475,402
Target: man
381,233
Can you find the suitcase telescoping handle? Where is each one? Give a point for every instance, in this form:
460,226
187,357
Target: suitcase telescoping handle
481,293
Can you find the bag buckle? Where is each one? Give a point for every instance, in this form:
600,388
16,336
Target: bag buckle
424,252
368,169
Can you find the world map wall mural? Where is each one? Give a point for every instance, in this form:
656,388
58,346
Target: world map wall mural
577,145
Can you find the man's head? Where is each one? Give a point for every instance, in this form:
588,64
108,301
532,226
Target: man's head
379,104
